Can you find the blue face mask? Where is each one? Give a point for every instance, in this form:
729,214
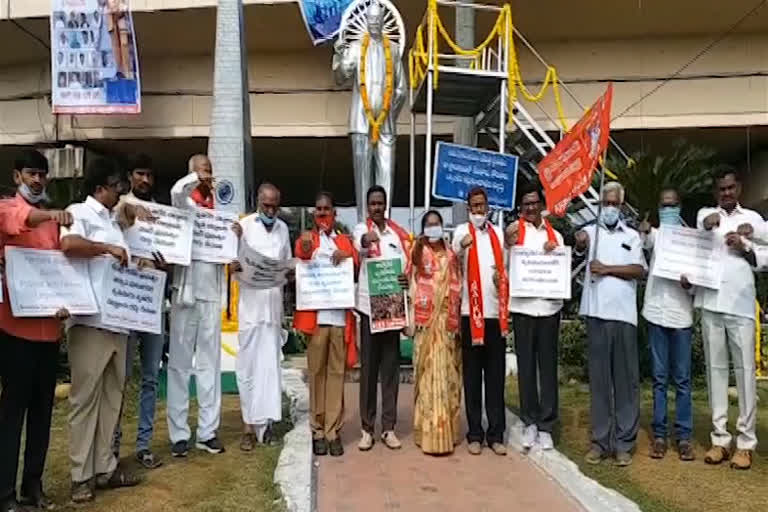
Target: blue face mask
669,215
609,215
267,221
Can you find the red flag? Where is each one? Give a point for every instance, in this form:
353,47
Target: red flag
567,170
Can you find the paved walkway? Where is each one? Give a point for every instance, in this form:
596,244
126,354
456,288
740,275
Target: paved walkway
408,480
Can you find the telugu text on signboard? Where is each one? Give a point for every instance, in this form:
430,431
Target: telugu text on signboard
322,285
536,273
686,251
213,239
170,234
132,299
389,302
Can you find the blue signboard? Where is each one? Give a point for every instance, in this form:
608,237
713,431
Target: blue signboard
323,17
459,169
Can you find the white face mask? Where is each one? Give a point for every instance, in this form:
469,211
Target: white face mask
30,196
478,220
433,233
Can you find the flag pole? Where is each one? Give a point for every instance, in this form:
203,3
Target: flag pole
592,250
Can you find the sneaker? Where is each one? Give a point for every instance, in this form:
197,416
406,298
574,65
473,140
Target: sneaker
659,448
336,448
623,459
147,459
685,451
594,456
499,449
366,442
530,435
716,455
475,448
212,446
546,442
180,449
390,440
742,459
320,447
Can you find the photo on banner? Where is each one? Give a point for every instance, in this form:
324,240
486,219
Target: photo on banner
323,18
389,302
94,61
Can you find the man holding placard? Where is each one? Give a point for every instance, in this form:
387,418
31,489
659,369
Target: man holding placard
728,322
536,323
97,351
29,347
484,323
332,333
198,292
260,325
668,308
615,262
379,239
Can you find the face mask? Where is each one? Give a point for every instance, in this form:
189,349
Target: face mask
609,215
433,233
478,220
324,222
669,215
267,221
30,196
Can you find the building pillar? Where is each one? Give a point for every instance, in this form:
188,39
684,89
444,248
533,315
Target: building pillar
229,146
464,129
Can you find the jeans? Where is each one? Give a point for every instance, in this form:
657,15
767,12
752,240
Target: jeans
151,353
671,357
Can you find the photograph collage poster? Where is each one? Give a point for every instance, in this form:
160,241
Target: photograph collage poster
94,64
323,18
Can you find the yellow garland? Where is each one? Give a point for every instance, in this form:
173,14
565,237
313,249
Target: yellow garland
377,122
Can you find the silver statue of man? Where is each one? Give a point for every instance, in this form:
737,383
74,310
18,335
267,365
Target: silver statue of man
374,161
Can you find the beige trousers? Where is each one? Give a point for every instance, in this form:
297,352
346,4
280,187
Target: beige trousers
326,359
97,364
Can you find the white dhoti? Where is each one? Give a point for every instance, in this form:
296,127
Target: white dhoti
258,374
195,335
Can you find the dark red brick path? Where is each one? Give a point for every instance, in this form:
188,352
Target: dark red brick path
407,480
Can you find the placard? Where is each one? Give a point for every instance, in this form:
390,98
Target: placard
459,169
170,234
322,285
534,273
132,299
213,239
94,63
41,282
262,272
686,251
389,302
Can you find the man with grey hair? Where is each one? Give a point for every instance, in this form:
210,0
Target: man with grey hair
260,330
196,327
615,262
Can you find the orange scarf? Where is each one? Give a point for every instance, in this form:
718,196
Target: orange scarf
521,232
424,292
475,288
203,202
374,251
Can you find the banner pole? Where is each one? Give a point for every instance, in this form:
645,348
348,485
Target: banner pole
593,250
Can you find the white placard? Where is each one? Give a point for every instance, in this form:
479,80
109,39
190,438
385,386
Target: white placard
132,299
322,285
262,272
688,251
535,273
170,234
42,282
213,240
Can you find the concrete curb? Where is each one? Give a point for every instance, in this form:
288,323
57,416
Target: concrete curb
590,494
294,467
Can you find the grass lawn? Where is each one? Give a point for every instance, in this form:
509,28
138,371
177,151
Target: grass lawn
230,482
667,485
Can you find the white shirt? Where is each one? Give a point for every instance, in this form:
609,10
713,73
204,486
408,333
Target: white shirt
666,302
535,238
736,295
93,221
390,246
258,307
332,317
608,297
487,263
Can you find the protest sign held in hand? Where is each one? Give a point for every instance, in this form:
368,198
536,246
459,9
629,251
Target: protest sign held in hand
540,274
170,234
261,272
322,285
132,299
389,302
41,282
213,239
686,251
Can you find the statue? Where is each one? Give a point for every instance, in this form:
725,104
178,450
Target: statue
369,53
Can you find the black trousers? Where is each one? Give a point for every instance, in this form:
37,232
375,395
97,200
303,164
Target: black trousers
536,349
28,374
484,363
379,359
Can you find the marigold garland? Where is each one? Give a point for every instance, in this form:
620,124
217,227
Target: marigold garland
377,122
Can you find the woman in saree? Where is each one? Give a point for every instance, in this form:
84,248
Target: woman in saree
435,301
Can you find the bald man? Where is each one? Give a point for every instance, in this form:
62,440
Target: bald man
260,330
196,328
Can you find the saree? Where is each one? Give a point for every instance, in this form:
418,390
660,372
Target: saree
437,355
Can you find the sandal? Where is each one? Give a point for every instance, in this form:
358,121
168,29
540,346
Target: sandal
659,448
118,479
81,492
147,459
